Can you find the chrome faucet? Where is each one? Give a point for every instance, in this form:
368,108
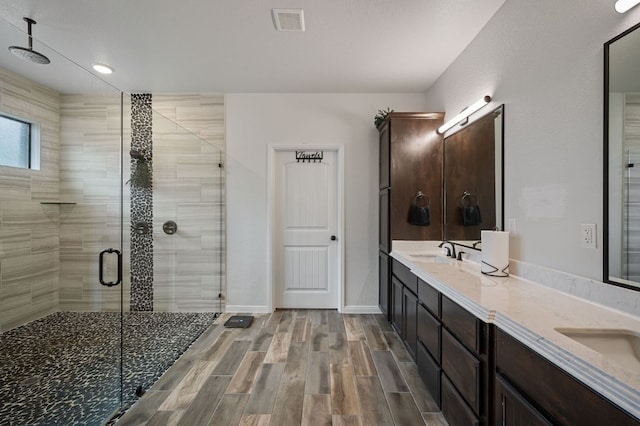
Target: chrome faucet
450,252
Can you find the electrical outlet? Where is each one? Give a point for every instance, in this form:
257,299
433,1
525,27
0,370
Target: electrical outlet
588,235
512,226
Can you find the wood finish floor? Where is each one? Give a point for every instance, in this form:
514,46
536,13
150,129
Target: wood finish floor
293,367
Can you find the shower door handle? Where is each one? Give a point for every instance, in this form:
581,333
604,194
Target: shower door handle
101,267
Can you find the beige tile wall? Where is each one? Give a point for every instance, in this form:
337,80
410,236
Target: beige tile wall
29,262
49,253
90,176
188,189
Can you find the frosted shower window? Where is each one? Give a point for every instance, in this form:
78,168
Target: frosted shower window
15,142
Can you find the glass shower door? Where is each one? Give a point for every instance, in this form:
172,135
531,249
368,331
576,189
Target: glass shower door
60,328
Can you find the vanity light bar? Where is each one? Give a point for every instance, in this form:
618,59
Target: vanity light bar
465,113
623,5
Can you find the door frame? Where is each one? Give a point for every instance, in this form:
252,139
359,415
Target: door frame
273,150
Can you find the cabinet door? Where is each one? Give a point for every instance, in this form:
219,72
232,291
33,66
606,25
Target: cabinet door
383,277
396,305
429,372
410,307
429,330
384,158
512,409
383,229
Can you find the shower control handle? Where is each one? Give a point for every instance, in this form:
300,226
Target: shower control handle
101,267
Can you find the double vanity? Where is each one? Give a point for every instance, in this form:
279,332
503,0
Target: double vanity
509,351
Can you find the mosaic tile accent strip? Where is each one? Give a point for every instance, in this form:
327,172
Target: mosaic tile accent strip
141,185
64,369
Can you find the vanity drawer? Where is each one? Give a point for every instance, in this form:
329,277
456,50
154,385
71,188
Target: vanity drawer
429,330
405,275
463,369
462,323
429,297
429,372
453,407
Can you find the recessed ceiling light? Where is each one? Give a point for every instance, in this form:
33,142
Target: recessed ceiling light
103,69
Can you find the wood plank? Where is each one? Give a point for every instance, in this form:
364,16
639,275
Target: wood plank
254,329
361,359
316,410
165,418
388,371
247,372
320,337
346,420
174,375
301,329
286,321
353,328
288,407
424,400
232,358
344,399
434,419
318,381
336,323
375,338
205,403
383,322
220,346
229,411
263,396
262,340
255,420
279,348
144,409
296,366
188,387
338,349
404,409
375,410
275,318
396,346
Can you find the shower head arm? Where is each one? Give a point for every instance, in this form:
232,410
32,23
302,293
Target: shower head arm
29,22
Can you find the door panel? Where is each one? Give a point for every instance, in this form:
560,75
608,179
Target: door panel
306,224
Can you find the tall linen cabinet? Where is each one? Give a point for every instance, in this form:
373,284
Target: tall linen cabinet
410,171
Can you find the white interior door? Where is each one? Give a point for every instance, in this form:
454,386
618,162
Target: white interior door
306,266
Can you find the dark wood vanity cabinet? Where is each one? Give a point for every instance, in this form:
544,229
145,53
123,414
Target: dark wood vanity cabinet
530,390
410,161
428,330
404,305
466,366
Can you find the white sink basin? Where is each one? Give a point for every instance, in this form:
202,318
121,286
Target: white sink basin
620,346
431,258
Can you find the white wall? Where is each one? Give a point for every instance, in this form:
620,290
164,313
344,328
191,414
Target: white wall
544,60
256,120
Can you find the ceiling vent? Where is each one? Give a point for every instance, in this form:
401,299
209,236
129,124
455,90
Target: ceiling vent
288,19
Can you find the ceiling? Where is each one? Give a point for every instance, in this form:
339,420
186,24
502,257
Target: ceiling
349,46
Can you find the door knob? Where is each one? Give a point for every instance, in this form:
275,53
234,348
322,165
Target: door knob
333,238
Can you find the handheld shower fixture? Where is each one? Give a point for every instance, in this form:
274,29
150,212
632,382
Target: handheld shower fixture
28,53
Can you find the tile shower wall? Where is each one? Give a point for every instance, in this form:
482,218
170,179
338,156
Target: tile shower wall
631,215
188,189
29,262
90,177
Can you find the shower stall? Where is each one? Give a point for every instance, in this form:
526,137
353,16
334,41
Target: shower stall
111,237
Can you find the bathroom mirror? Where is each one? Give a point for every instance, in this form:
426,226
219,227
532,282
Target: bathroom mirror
621,224
473,184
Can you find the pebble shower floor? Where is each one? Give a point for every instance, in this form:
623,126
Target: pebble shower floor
64,369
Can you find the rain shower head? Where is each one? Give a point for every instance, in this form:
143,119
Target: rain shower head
28,53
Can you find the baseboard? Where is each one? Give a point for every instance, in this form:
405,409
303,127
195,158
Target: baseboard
356,309
247,309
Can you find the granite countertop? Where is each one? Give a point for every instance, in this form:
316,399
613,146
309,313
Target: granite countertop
531,313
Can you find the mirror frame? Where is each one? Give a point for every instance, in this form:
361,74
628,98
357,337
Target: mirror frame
605,182
499,200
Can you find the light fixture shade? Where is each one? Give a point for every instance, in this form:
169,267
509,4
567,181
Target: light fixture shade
102,68
465,113
623,5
